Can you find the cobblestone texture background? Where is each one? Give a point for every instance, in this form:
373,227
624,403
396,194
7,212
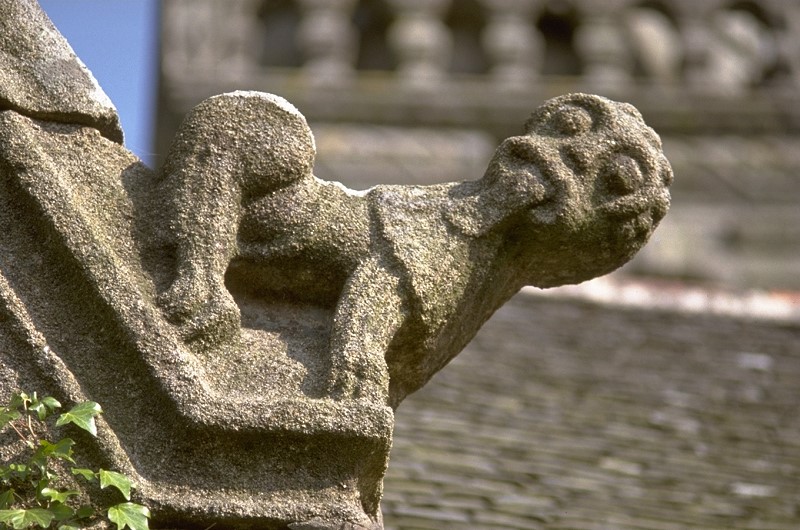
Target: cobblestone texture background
566,415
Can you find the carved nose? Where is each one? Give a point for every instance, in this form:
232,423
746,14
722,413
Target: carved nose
648,198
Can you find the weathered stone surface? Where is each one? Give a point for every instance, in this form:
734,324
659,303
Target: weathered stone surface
41,77
204,439
249,328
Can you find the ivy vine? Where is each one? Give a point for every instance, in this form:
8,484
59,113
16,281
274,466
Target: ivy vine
31,488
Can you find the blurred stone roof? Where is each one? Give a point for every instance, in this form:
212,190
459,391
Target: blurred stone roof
566,413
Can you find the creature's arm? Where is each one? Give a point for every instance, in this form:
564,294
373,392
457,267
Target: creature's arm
369,313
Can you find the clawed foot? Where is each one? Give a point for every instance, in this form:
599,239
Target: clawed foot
359,377
201,310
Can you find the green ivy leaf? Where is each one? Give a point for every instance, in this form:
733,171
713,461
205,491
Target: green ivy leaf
84,511
20,470
88,474
38,461
40,410
118,480
7,416
6,498
51,403
58,496
52,501
41,484
82,415
62,449
24,518
38,407
44,407
18,400
61,511
130,515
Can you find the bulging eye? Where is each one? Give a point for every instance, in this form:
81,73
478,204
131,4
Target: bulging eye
571,121
520,147
622,174
666,174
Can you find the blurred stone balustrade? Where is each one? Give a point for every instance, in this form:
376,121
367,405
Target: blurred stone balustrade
421,91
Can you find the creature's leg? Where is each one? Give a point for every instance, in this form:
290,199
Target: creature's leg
368,315
229,149
205,224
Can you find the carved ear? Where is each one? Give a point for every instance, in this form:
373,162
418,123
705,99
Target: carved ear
502,197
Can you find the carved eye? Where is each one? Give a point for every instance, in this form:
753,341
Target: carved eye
622,174
571,121
666,174
521,148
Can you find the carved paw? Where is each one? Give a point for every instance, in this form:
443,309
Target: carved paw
218,321
201,309
184,298
362,376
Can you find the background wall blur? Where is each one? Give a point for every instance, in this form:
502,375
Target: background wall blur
421,91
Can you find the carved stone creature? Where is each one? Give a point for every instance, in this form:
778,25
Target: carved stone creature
281,291
412,272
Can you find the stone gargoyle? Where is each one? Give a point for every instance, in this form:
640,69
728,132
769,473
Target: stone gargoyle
249,328
411,272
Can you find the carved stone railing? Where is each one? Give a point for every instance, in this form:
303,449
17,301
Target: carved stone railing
721,45
477,64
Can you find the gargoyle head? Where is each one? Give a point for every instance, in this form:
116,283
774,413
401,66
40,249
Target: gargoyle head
598,181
